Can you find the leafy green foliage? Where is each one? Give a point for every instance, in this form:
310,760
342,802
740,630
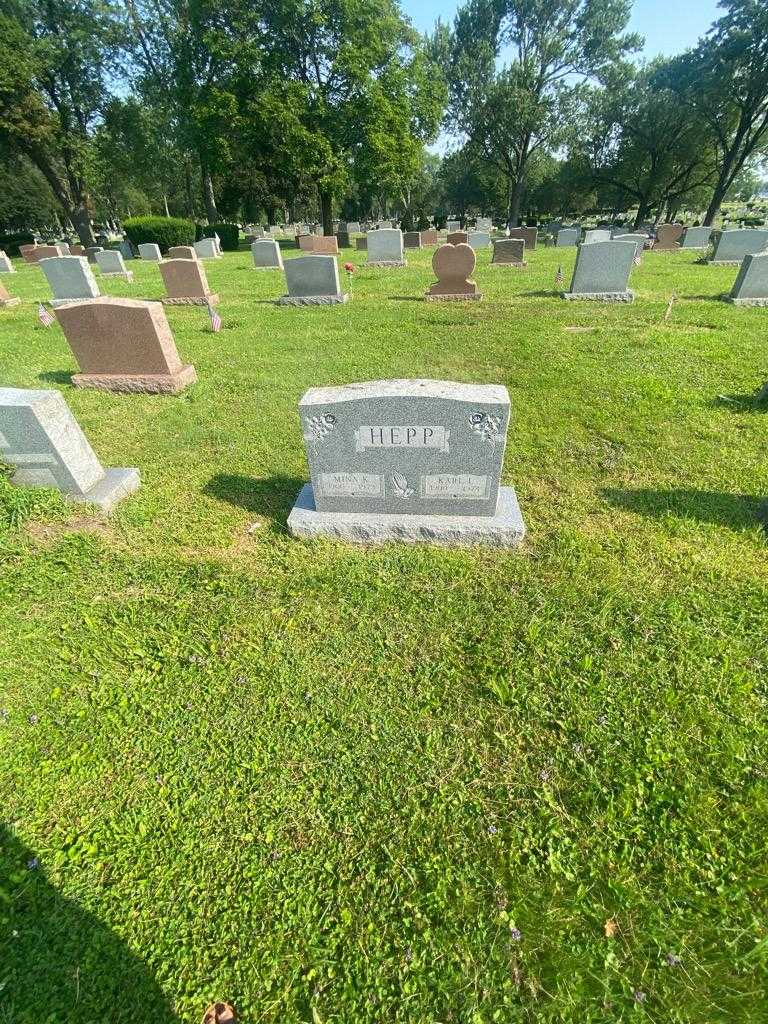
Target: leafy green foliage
10,243
229,235
163,231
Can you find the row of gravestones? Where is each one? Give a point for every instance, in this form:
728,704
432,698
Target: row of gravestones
405,460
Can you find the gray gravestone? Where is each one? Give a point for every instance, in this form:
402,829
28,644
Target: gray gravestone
6,267
412,239
385,248
484,224
639,241
353,227
696,238
125,249
208,249
751,287
453,225
266,255
508,252
479,239
733,246
70,278
110,263
150,251
597,235
90,252
568,237
312,281
408,460
41,439
602,272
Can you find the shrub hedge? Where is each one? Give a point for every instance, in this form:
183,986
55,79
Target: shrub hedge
163,231
10,243
229,235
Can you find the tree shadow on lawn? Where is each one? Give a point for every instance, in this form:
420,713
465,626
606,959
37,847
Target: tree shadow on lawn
272,497
736,511
58,962
741,403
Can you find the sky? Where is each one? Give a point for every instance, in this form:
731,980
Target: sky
669,26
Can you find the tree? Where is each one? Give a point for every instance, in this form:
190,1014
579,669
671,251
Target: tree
53,56
25,196
512,112
724,84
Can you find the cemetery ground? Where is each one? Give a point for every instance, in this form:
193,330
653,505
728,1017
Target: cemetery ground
339,784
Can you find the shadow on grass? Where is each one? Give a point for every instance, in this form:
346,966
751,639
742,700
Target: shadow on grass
59,963
741,403
56,376
736,511
273,497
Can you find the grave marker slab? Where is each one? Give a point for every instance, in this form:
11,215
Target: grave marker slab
6,267
696,238
484,224
42,440
325,245
733,246
70,278
207,249
110,263
509,252
124,345
668,237
343,241
28,253
453,265
186,284
91,251
46,252
150,251
353,227
751,286
597,235
429,237
567,238
412,239
529,235
479,239
458,238
639,241
126,249
361,244
266,255
453,225
182,252
312,281
407,460
77,250
385,248
602,272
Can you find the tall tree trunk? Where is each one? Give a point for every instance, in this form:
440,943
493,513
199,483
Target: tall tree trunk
82,220
643,209
716,202
515,203
209,199
326,210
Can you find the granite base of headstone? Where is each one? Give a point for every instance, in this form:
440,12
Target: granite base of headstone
6,299
751,285
313,281
411,461
43,442
453,266
602,272
124,345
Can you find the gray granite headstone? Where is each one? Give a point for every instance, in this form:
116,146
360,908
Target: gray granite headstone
696,238
6,267
602,272
453,225
733,246
266,255
385,248
150,251
409,460
70,278
91,251
207,249
751,287
568,237
639,241
126,249
110,263
484,224
597,235
479,239
312,281
353,227
508,252
41,439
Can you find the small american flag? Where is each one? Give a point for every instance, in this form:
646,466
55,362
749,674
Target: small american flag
44,316
215,319
559,277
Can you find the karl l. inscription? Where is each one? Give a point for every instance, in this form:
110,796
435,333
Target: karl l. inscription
454,486
402,437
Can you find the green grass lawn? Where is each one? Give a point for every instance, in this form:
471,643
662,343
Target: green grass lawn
345,786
